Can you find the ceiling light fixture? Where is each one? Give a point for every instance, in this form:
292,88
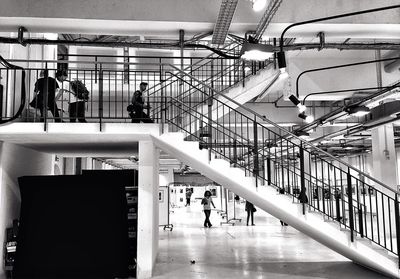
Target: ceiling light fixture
297,103
281,61
307,118
258,52
258,5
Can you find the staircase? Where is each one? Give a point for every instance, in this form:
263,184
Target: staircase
282,207
347,210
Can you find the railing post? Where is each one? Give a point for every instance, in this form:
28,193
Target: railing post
163,104
360,220
101,96
212,73
95,69
302,178
235,158
45,97
255,150
210,103
337,199
243,73
350,202
396,218
1,102
269,170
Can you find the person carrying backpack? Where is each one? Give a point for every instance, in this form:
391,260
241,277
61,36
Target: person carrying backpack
137,106
78,96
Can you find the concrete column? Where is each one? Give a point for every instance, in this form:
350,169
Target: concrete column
69,166
166,176
384,155
97,165
147,209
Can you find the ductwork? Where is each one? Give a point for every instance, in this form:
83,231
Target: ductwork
391,66
382,114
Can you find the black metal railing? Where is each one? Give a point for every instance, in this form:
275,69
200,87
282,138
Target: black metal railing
277,157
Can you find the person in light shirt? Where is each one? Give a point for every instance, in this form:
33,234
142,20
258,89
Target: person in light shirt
76,106
207,202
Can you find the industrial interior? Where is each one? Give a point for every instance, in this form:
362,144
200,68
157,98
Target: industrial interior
120,122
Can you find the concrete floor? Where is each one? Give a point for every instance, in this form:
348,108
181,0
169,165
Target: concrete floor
266,250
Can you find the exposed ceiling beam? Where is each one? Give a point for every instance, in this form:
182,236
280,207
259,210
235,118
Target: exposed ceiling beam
224,20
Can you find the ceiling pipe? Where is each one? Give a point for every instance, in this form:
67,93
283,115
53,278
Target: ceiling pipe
346,90
281,52
337,67
340,46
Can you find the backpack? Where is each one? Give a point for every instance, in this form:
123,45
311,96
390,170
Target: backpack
137,101
80,90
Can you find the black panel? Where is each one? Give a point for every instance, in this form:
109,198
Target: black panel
128,178
72,227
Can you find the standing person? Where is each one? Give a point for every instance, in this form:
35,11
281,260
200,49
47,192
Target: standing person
188,196
207,202
38,101
250,212
138,106
282,191
76,99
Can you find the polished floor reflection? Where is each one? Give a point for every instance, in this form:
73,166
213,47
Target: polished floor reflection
266,250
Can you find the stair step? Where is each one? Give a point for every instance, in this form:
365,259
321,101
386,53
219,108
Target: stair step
174,135
193,145
237,171
220,163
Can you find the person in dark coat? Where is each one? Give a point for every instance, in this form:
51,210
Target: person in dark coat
138,106
188,196
282,191
303,196
38,102
250,212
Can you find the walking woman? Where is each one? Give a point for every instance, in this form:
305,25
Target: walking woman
250,212
207,202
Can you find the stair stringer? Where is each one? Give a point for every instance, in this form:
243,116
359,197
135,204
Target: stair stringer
279,206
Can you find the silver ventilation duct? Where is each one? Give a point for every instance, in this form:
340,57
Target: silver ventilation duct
382,114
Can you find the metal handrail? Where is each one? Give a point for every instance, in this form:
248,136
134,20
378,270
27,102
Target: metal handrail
218,93
286,131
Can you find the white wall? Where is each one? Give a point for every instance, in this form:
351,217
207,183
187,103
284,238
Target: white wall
16,161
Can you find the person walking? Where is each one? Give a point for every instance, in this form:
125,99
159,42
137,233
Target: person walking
188,196
207,202
138,106
38,101
250,212
76,103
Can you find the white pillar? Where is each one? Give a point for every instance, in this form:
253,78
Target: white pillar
166,176
147,248
384,155
97,165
